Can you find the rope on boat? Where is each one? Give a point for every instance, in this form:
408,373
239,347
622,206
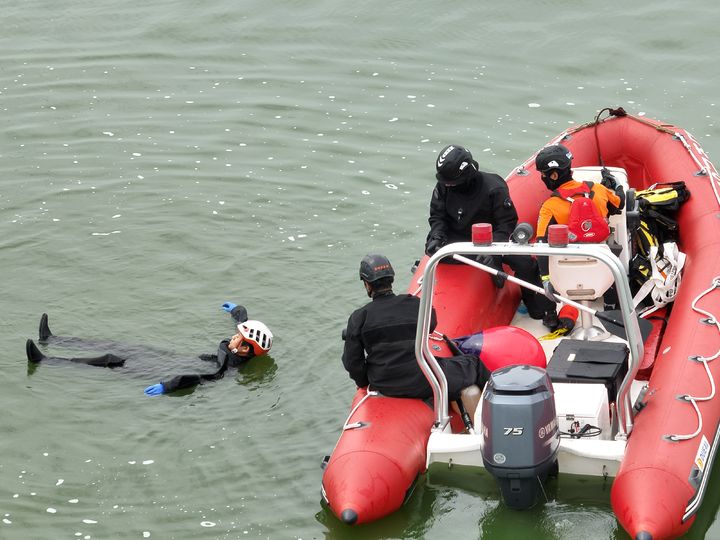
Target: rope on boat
354,425
712,175
419,286
693,400
703,169
706,168
703,166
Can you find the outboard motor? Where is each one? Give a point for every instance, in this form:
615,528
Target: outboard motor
520,435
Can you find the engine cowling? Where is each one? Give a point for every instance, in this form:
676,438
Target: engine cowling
520,435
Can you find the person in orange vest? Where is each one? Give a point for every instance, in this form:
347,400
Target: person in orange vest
554,165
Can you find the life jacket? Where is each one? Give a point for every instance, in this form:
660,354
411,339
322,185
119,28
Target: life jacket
655,270
657,207
666,197
662,276
585,224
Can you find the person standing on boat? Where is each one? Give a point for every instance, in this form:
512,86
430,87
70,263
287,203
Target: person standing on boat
554,165
253,338
380,342
465,195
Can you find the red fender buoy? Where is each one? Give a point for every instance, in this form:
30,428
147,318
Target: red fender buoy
505,346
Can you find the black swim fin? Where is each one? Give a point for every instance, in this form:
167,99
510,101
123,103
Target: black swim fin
44,330
33,353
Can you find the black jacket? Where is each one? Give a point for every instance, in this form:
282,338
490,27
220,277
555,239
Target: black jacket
484,199
380,351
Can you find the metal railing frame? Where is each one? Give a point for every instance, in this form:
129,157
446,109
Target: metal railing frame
430,367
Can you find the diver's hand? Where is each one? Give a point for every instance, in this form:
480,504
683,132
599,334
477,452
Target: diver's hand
494,262
155,390
434,243
228,306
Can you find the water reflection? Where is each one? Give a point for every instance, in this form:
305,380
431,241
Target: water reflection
464,502
257,372
707,515
409,522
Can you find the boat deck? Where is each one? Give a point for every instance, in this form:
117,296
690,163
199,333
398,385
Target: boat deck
537,329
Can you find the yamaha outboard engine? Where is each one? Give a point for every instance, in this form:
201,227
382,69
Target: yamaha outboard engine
520,436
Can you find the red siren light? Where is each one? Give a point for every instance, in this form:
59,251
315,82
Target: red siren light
482,234
558,235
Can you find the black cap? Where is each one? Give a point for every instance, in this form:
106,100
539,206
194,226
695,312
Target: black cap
374,267
454,165
555,156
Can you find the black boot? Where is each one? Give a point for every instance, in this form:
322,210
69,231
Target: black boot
32,352
550,319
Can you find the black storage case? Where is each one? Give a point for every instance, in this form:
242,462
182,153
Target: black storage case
581,361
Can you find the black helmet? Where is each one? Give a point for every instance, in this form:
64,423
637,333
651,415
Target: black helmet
374,267
555,156
454,165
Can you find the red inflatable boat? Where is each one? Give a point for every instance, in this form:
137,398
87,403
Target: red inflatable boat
638,404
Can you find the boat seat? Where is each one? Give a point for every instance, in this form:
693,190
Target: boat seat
619,231
584,280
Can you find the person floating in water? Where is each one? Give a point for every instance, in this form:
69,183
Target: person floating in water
253,338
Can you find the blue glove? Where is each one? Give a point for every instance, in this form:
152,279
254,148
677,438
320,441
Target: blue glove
228,306
155,390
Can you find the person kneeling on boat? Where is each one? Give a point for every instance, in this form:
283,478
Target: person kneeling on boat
380,342
465,195
253,338
554,165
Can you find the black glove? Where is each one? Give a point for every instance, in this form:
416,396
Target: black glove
549,290
608,180
494,261
434,243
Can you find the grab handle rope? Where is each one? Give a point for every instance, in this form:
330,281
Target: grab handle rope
705,167
693,400
713,176
354,425
419,286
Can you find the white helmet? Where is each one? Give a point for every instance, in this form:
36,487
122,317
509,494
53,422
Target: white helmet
257,335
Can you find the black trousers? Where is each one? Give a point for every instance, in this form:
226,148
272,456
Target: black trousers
526,268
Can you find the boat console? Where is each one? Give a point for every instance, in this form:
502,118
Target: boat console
585,280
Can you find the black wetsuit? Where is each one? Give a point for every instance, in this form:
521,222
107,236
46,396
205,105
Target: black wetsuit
380,351
127,353
223,360
485,198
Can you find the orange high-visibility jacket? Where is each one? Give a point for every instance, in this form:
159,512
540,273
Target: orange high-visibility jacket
556,210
